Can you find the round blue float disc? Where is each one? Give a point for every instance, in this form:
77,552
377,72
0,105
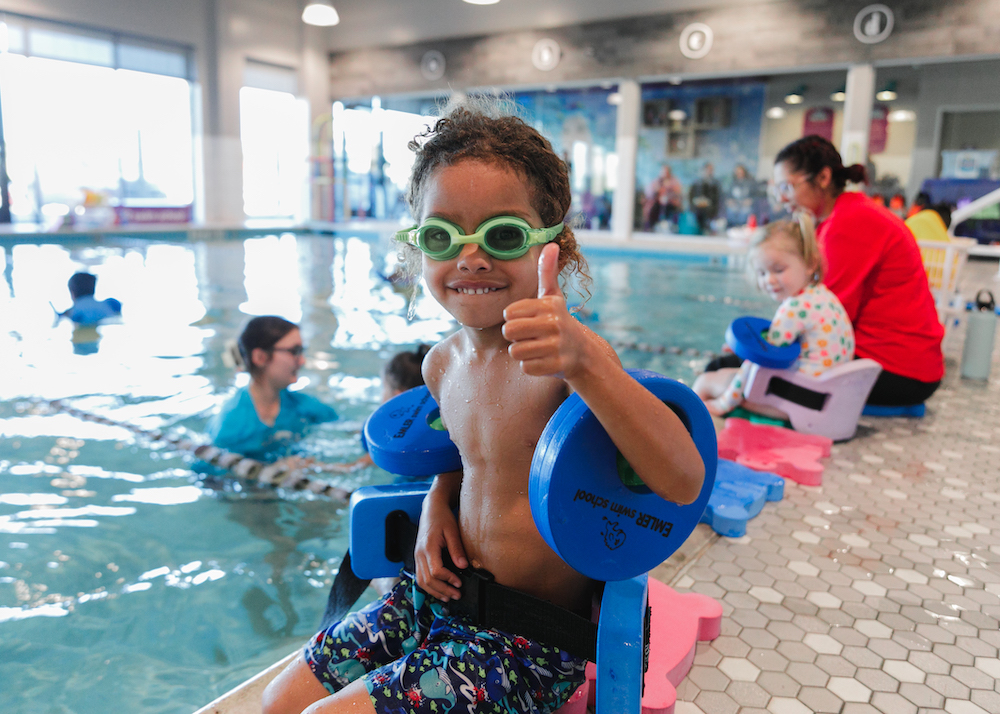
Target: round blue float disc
405,436
600,526
746,337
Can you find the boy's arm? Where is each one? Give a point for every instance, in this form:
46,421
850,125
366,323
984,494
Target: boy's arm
548,341
438,531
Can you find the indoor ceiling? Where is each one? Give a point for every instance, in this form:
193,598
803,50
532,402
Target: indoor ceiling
374,23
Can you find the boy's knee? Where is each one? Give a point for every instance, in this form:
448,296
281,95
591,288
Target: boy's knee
294,689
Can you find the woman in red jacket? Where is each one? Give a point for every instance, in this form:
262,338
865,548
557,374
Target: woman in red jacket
873,267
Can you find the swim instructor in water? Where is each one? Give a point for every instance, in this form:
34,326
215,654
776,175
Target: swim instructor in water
263,419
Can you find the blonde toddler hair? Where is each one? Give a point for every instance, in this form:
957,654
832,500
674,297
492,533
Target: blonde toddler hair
800,233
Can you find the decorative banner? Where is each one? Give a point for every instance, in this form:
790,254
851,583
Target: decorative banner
153,214
879,132
818,120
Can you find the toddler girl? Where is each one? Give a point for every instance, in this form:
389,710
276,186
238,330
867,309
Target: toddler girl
786,262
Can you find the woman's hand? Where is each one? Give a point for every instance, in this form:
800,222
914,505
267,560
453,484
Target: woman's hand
438,531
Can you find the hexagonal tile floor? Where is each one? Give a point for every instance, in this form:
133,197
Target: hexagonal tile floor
878,591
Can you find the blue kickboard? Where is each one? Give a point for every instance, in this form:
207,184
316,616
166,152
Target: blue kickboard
739,495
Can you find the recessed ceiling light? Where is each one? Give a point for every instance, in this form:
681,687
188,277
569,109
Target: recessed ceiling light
795,96
901,115
775,113
320,13
887,93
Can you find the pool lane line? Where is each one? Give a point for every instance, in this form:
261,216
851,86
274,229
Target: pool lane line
276,475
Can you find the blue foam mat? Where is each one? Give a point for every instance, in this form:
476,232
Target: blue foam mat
912,410
739,495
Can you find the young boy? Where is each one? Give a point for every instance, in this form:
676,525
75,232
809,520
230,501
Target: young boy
490,194
86,310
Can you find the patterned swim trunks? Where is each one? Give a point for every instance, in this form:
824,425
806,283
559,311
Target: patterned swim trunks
414,657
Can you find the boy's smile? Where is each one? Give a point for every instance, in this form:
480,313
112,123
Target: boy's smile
474,286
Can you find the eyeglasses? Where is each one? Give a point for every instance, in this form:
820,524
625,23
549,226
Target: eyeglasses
503,237
296,351
787,188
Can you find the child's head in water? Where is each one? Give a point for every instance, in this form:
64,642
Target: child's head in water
785,257
81,285
473,166
402,372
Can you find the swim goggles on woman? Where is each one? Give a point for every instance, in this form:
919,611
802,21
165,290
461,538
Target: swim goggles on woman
503,237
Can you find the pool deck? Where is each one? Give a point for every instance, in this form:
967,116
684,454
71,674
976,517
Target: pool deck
878,591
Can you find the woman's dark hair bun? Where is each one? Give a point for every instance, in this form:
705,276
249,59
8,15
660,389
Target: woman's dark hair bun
856,173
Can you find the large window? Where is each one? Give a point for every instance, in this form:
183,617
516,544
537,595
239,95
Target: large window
274,131
92,120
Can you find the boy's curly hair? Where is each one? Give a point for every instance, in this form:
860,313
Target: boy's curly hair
486,130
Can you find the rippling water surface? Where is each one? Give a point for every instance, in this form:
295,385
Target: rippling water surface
125,583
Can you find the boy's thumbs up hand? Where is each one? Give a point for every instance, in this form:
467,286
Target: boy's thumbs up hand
548,272
544,337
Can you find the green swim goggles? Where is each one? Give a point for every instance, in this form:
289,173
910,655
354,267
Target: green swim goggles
503,237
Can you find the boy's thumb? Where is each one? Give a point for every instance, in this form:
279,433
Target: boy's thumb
548,271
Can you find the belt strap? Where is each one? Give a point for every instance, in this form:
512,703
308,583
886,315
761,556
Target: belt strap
484,601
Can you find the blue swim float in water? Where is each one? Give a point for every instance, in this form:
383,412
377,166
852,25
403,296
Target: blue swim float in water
589,505
747,338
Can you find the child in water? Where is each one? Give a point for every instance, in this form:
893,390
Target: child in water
490,195
786,261
399,374
87,310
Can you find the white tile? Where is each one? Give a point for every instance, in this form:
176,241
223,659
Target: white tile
766,594
903,671
740,670
803,568
867,587
873,628
787,705
821,599
962,706
990,665
910,576
824,644
850,690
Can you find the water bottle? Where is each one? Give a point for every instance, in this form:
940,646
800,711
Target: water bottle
977,354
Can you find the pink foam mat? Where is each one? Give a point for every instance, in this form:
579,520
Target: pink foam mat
677,623
773,448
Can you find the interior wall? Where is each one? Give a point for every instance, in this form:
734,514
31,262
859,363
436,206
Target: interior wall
756,37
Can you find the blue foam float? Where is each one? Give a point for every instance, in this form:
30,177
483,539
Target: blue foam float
746,337
587,503
910,410
601,525
405,436
738,496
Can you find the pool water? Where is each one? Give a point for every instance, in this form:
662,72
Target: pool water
125,584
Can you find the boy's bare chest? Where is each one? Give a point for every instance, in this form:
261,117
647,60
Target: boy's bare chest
499,416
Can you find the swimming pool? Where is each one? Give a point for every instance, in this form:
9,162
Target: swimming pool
125,585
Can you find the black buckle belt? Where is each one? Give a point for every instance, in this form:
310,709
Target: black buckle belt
489,604
484,601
